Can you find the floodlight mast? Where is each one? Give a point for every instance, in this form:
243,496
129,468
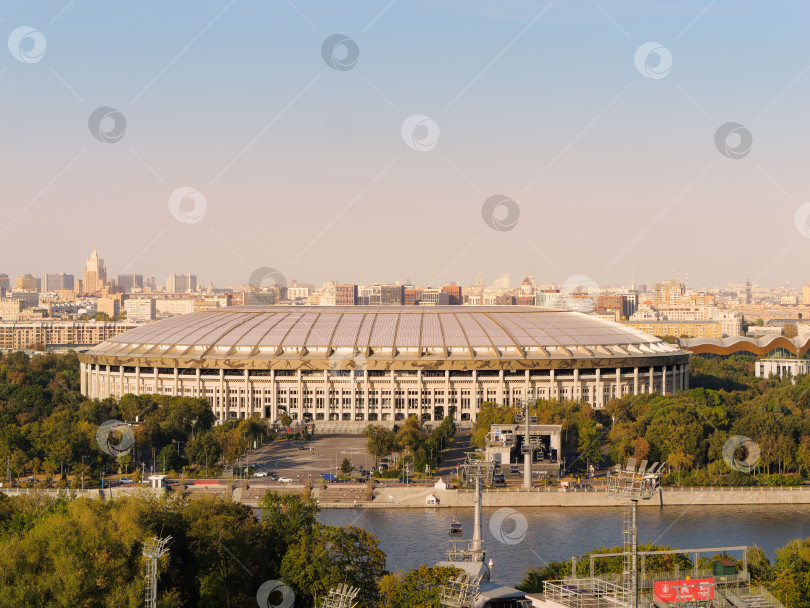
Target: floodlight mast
635,485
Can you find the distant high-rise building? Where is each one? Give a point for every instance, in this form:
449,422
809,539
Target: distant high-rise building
181,283
5,282
806,294
129,282
95,273
413,295
503,281
140,310
27,282
434,297
669,294
453,290
110,306
392,295
345,295
57,282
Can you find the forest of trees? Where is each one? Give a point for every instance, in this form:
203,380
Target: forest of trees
48,428
689,430
420,450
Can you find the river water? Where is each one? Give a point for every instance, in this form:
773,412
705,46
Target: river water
411,537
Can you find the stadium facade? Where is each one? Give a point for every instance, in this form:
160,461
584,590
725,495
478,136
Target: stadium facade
361,364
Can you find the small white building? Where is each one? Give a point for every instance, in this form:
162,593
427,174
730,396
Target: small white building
782,368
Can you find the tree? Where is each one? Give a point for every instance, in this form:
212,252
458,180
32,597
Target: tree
381,441
680,460
641,449
419,588
790,331
590,442
168,460
346,466
328,556
286,419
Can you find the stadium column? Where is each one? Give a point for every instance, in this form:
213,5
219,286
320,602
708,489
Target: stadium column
600,395
273,396
553,393
138,386
664,379
301,397
353,401
248,394
120,381
635,380
197,388
501,387
393,394
446,393
473,396
223,399
327,396
576,393
526,385
83,377
155,372
419,392
652,379
618,382
108,381
686,377
176,388
365,396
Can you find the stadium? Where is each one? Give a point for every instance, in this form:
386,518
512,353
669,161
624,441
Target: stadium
353,365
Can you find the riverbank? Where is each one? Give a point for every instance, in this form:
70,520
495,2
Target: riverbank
361,496
421,497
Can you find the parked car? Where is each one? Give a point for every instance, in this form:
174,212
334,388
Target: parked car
273,476
126,481
285,480
260,474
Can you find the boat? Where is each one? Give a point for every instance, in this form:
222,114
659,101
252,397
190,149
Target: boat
456,527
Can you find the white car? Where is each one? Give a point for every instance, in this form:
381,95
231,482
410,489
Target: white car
260,474
127,481
285,480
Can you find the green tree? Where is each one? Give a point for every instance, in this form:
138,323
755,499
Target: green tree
419,588
590,442
346,466
328,556
381,441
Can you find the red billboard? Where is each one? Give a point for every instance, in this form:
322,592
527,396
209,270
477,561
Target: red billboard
684,591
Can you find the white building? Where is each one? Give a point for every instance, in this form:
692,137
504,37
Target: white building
140,311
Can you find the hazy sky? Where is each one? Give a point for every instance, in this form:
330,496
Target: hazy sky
606,144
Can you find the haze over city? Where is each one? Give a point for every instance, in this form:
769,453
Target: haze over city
303,167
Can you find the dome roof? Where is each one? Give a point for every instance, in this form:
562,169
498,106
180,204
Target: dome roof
477,334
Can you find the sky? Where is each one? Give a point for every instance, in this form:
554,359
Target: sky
381,141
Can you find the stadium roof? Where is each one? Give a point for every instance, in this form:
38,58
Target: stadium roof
424,333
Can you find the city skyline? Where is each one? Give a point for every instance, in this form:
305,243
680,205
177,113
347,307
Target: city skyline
202,145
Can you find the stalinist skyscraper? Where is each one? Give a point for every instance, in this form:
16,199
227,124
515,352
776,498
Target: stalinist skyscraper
95,274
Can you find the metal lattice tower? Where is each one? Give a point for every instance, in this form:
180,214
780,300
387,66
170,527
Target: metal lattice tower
341,596
153,550
460,592
636,485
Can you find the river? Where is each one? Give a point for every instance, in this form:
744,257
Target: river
411,537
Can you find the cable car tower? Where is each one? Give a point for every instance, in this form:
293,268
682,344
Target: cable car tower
635,485
153,550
